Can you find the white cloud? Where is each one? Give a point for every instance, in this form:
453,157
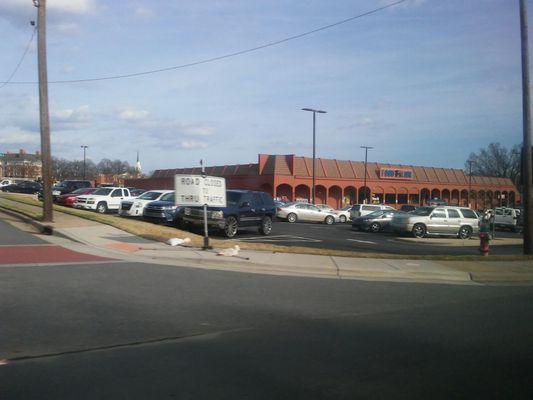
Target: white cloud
18,138
70,118
193,144
197,130
144,12
19,11
132,115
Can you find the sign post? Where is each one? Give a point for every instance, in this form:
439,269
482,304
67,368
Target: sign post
200,190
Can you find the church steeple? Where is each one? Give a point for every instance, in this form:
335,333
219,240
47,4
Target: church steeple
138,168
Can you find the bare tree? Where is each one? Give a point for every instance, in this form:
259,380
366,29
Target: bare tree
496,160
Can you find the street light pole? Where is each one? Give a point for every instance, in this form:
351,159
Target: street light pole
314,146
469,181
84,149
365,188
527,164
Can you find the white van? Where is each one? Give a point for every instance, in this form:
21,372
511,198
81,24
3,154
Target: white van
507,218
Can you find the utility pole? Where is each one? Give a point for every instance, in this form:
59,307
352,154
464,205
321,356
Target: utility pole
84,158
527,167
46,157
365,188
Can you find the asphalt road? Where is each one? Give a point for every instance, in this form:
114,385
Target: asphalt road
135,331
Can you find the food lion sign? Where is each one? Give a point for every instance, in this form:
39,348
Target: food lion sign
198,190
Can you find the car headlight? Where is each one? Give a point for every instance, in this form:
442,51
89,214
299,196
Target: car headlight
137,205
168,208
217,214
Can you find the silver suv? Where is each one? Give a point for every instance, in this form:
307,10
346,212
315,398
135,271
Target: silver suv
442,220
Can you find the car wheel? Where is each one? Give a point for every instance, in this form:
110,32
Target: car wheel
329,220
101,207
465,232
375,227
342,218
292,218
266,226
419,230
230,230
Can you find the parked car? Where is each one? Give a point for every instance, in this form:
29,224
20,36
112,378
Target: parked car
443,220
408,208
359,210
293,212
135,207
136,192
507,218
163,210
65,187
244,208
68,199
103,199
375,222
343,213
28,187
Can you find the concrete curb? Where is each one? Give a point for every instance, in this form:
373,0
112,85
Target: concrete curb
42,227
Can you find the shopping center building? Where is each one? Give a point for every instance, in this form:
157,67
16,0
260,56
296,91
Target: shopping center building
339,183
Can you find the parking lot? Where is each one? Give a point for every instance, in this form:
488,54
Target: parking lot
342,237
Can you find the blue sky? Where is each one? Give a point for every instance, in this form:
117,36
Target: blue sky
425,82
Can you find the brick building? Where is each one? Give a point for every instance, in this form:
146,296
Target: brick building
339,182
21,165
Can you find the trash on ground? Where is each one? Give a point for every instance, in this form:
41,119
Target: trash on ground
178,241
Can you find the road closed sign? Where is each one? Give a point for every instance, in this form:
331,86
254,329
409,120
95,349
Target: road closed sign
197,190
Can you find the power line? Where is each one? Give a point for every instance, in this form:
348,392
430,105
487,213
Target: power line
21,59
222,57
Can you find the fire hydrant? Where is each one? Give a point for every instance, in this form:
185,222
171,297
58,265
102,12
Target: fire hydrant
484,234
484,246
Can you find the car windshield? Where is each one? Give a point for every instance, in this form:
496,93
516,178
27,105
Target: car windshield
168,197
150,195
347,208
62,184
79,191
233,198
422,211
375,214
102,192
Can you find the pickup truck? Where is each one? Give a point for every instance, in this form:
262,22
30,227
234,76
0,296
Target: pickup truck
103,199
244,208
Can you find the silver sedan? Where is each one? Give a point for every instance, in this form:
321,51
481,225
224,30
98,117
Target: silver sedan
293,212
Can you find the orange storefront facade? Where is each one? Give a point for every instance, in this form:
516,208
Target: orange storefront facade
339,182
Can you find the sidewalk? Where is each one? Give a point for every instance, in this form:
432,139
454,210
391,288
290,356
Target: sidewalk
109,241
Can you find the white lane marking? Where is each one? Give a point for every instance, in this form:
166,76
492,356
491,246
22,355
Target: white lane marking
280,238
362,241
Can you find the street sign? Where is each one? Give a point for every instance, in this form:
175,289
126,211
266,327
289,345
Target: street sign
198,190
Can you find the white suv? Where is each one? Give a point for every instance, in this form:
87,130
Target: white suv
135,207
103,199
358,210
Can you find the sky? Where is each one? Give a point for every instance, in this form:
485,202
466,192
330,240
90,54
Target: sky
425,82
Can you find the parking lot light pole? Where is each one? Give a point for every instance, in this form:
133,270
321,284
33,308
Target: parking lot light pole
365,200
470,162
84,154
314,146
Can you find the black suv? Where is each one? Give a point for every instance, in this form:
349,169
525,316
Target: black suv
244,208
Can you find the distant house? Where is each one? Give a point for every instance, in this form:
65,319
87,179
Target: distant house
21,165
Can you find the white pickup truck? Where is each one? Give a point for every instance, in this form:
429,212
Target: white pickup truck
103,199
